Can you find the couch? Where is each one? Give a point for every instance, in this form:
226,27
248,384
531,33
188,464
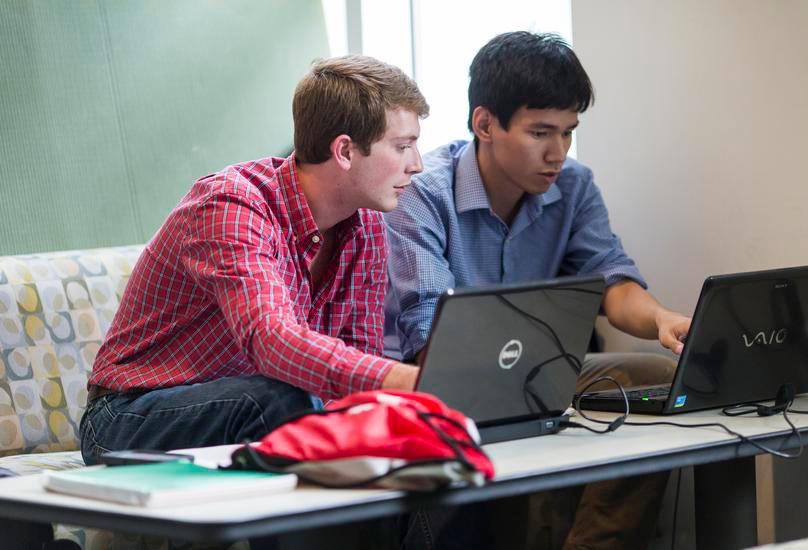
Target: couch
54,311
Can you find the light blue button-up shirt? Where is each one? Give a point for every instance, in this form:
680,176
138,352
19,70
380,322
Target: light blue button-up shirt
445,235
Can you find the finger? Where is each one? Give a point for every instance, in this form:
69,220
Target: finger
668,340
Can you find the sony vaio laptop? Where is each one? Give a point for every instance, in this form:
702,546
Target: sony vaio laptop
508,356
748,337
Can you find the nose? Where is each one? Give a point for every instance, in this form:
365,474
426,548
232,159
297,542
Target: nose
415,166
557,150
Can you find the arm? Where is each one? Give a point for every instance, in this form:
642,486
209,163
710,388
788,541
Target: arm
594,248
632,309
364,329
418,269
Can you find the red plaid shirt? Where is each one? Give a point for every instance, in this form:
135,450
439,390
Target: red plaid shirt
224,289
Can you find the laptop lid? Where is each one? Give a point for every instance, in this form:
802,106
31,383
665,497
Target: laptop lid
748,337
506,353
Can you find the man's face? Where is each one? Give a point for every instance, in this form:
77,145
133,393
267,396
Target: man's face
530,153
379,178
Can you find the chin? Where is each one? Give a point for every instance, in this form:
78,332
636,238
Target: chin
384,206
539,190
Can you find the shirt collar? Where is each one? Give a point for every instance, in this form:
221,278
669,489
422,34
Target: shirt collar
300,214
469,189
470,192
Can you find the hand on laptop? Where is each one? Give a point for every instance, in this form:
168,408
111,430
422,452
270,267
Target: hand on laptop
673,328
401,377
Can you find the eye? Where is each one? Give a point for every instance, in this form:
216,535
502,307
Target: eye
404,147
540,133
568,133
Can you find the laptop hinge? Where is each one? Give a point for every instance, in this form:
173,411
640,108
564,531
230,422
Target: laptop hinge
521,429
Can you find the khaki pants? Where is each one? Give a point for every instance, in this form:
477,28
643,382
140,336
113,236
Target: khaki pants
630,369
614,514
617,513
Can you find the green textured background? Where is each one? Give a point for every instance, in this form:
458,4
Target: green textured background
109,110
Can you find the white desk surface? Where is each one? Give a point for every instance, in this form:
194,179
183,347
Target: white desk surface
570,450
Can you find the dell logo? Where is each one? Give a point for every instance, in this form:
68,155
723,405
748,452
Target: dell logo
764,339
510,354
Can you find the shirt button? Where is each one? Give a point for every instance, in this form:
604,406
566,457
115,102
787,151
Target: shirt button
315,239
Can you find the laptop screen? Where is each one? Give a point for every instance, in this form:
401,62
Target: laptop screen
749,336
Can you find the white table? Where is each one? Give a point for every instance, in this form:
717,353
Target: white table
572,457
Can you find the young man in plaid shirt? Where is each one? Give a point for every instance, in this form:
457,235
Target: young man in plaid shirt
264,288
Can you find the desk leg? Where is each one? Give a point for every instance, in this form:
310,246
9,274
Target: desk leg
726,515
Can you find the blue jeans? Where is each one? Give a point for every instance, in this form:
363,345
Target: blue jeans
228,410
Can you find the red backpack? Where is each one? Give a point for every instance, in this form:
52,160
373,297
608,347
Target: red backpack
399,440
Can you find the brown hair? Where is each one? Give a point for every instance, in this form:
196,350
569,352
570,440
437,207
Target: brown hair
349,95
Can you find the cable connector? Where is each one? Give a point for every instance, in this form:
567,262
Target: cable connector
616,423
610,428
565,423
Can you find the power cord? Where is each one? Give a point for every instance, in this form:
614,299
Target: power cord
784,400
611,425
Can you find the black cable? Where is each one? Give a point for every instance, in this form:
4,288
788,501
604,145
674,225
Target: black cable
527,390
621,420
742,437
571,359
612,424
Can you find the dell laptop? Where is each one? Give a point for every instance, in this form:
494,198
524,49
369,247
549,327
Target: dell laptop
749,336
508,356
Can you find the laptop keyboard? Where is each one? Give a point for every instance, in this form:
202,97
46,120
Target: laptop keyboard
658,392
644,394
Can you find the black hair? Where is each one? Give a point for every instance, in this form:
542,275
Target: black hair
539,71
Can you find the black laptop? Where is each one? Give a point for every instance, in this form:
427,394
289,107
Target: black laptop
508,356
748,337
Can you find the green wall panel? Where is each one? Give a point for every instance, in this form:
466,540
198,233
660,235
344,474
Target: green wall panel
109,110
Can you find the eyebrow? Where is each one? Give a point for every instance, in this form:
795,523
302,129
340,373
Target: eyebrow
547,126
406,138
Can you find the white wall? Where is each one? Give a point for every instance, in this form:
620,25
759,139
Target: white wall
699,135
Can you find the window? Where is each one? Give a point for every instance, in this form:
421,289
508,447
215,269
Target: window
435,41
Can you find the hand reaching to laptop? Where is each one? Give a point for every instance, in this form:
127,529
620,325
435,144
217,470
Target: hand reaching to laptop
673,328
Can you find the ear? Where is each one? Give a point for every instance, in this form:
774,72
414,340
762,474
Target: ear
342,151
482,121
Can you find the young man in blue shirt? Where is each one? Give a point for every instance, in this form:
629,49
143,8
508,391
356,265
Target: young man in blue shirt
509,207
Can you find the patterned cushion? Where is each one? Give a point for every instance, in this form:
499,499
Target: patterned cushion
34,463
54,311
